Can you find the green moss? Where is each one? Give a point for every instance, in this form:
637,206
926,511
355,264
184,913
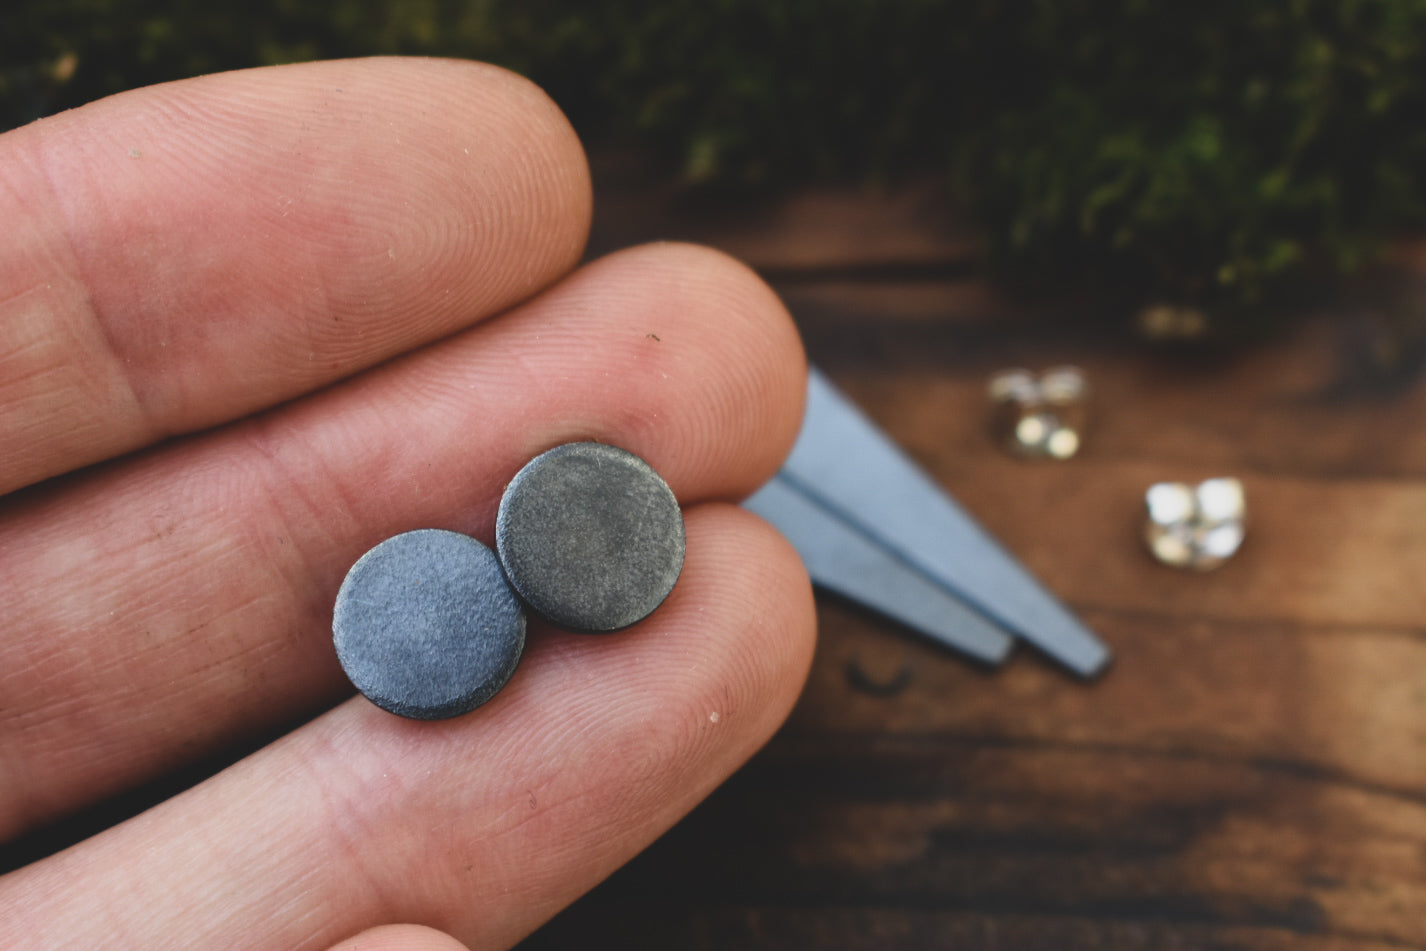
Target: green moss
1209,152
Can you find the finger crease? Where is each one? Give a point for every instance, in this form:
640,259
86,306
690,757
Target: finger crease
144,422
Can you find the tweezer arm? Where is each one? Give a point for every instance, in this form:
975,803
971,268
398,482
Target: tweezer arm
848,470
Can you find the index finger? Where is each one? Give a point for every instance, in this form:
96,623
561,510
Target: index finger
185,254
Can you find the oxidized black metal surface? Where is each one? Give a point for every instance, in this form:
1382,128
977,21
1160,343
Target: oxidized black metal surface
426,625
591,537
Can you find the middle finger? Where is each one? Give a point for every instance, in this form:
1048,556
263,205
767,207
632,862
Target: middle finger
177,601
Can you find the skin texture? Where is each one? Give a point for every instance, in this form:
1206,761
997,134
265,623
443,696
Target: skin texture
401,938
252,324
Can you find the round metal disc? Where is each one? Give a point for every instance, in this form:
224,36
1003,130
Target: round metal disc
426,625
590,536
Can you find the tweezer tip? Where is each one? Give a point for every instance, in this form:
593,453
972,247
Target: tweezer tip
1092,667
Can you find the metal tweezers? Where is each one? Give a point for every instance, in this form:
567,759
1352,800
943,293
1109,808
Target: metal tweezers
873,527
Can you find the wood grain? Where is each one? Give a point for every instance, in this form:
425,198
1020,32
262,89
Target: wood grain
1251,772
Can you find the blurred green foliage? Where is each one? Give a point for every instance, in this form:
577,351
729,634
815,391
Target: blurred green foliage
1204,152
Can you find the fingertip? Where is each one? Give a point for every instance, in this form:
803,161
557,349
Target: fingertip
706,362
400,938
764,367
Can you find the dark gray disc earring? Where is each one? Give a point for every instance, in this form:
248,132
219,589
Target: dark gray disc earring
426,626
591,537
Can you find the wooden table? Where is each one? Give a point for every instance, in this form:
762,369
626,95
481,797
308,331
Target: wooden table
1251,773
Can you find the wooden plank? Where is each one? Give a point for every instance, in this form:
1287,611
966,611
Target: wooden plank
918,357
1317,552
1092,840
1345,706
772,928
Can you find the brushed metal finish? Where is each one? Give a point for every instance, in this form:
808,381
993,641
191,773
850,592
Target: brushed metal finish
591,537
426,626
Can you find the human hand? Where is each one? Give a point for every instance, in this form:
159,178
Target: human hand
205,258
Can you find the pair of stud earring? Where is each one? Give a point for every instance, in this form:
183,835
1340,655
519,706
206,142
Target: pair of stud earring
430,624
